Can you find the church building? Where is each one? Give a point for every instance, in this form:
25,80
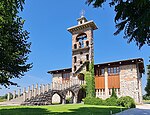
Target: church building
123,75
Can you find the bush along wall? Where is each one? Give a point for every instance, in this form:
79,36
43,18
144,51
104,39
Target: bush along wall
90,81
126,101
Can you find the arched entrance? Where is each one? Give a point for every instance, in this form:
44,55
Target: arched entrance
56,99
81,76
70,96
81,95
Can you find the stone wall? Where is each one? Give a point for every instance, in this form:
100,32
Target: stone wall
129,82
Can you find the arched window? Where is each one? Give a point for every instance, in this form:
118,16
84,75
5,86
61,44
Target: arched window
75,59
75,46
87,67
80,62
87,43
80,38
81,53
87,57
75,68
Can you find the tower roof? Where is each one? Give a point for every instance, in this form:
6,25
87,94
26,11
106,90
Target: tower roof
82,23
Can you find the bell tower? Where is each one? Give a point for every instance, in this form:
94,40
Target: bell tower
82,44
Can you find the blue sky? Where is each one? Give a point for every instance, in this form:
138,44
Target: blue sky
48,20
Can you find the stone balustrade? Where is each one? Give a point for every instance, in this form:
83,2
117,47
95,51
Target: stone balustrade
37,90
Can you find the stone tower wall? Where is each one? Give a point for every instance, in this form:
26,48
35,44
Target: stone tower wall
77,53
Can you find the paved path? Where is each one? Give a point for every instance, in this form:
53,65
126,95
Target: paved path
139,110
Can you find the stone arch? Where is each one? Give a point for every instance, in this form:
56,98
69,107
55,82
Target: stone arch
80,38
81,95
56,99
81,76
71,96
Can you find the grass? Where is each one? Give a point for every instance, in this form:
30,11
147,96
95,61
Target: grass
146,101
68,109
2,100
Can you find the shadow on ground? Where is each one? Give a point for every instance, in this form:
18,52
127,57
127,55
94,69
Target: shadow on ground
44,111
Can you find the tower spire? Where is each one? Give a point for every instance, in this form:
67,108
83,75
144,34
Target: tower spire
82,13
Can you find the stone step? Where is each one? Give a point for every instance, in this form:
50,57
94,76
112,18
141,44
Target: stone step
16,101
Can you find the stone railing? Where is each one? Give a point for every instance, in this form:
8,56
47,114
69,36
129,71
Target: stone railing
37,90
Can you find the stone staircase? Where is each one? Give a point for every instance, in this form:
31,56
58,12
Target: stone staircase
16,101
43,95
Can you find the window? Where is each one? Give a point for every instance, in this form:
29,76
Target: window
81,53
81,44
87,43
75,46
75,68
66,75
80,38
80,22
80,62
87,67
75,59
87,57
113,70
100,71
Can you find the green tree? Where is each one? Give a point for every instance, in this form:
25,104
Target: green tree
14,47
90,81
132,17
147,88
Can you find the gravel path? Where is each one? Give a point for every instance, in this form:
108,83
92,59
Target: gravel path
139,110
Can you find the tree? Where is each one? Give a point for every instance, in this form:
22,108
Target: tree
132,17
90,81
14,47
147,88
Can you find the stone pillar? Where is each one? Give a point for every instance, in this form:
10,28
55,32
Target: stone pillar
32,87
14,94
29,96
106,83
24,89
75,99
34,93
8,96
37,88
40,91
43,88
63,101
19,92
140,91
117,92
24,96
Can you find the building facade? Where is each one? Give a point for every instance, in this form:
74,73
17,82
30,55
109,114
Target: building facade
124,75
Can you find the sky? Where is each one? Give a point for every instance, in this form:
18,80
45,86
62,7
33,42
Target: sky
48,20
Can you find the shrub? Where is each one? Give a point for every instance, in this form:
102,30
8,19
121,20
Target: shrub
114,93
93,101
146,97
112,101
126,101
68,100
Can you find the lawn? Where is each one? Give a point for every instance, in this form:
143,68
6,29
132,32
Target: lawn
146,101
68,109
